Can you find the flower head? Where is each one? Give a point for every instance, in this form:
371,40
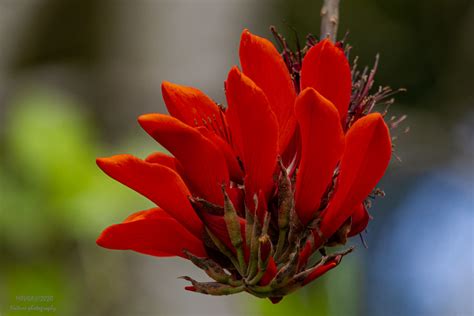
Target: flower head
251,191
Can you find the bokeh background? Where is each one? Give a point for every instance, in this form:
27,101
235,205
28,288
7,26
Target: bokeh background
75,74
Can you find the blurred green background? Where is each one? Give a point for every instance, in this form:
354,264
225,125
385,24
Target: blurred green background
75,74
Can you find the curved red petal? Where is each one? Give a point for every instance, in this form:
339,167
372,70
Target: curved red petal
305,253
152,232
262,206
322,142
275,299
203,164
326,69
235,171
190,288
319,271
366,157
165,160
158,183
270,273
292,153
193,107
262,63
360,220
254,130
153,213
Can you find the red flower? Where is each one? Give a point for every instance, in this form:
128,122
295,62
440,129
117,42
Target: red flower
251,191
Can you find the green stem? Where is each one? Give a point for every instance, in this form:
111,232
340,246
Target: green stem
280,243
223,249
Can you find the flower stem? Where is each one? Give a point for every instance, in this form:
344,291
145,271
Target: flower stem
286,206
223,249
233,228
280,243
254,235
329,19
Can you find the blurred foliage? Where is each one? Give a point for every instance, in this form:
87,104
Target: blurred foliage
51,149
54,199
40,285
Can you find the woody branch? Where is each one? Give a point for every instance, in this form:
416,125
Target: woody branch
329,19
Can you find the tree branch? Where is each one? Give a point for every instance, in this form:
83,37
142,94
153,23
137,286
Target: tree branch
329,19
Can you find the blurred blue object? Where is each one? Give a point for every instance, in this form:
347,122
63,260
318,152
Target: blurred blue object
425,265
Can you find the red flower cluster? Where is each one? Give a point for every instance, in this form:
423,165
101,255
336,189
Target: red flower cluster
251,191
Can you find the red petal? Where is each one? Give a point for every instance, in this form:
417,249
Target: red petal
165,160
236,195
153,213
276,299
190,288
235,172
192,107
367,155
305,253
203,164
254,131
316,273
151,232
326,69
322,142
360,220
262,63
262,207
158,183
292,153
270,273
